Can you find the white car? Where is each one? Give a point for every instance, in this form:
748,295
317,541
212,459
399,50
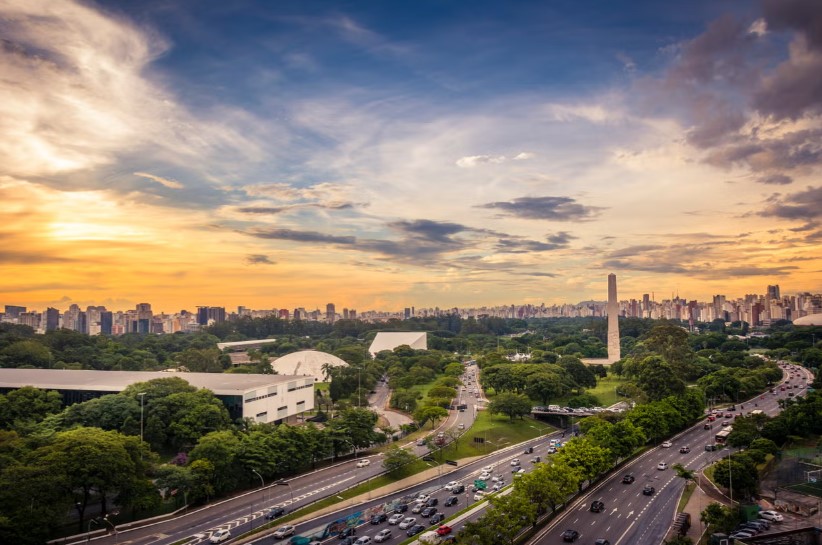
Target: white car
423,498
219,536
667,444
383,535
461,426
451,485
479,495
407,523
496,478
484,476
515,462
773,516
364,540
662,465
364,463
488,469
396,519
285,531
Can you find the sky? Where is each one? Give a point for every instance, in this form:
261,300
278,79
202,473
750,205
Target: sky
380,155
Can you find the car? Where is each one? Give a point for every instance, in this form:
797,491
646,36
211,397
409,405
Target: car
401,508
451,485
758,524
570,535
348,531
741,535
536,460
378,518
628,479
407,522
771,515
436,518
432,502
729,415
488,469
219,536
529,450
711,418
428,511
515,462
497,487
459,489
420,442
648,490
684,450
275,512
344,541
395,519
479,495
364,540
417,509
706,426
414,530
667,444
602,541
383,535
710,448
444,530
552,450
453,500
662,465
726,424
461,426
422,498
363,463
284,531
496,478
597,506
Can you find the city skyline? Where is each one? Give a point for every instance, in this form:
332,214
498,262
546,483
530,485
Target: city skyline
425,154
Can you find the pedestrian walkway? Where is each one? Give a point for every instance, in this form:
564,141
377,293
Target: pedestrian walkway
704,494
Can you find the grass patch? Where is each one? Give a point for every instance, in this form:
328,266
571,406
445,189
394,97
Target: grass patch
686,495
497,431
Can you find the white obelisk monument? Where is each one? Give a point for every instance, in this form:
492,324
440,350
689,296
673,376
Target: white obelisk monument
613,320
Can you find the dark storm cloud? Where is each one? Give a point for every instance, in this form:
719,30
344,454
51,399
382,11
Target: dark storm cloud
557,241
300,236
804,205
775,179
258,259
545,208
804,16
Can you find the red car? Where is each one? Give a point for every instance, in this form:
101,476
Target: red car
443,530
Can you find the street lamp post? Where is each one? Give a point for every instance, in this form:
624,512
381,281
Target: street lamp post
439,473
88,528
113,527
262,483
142,399
290,491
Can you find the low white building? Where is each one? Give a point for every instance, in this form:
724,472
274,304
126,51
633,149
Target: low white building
263,398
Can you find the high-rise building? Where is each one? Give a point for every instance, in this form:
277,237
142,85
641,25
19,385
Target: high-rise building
52,319
106,322
14,312
206,315
330,313
773,293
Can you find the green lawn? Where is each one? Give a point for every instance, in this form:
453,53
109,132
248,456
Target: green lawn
497,431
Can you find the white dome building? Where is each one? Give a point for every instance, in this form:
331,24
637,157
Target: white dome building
306,362
811,319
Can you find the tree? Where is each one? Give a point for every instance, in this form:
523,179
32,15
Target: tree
719,517
545,386
396,458
548,485
28,404
430,414
589,459
356,425
679,540
579,372
27,353
510,405
442,392
658,380
737,474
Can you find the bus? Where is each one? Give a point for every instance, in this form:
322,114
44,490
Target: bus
722,436
756,412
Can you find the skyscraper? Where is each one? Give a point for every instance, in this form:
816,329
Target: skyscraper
613,320
330,313
52,319
773,293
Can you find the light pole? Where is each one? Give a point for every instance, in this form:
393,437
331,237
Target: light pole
439,473
113,527
142,399
730,477
88,528
290,491
262,483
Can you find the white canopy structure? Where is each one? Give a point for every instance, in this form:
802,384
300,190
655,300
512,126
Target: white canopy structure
307,363
417,340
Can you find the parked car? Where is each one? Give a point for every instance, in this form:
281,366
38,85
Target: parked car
284,531
771,515
452,500
570,535
275,512
219,536
383,535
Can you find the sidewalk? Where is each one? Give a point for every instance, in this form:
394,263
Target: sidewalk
704,494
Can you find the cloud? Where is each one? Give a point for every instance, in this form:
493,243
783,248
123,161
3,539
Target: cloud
273,210
299,236
166,182
523,156
472,161
557,241
29,258
775,179
804,205
545,208
804,16
259,259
